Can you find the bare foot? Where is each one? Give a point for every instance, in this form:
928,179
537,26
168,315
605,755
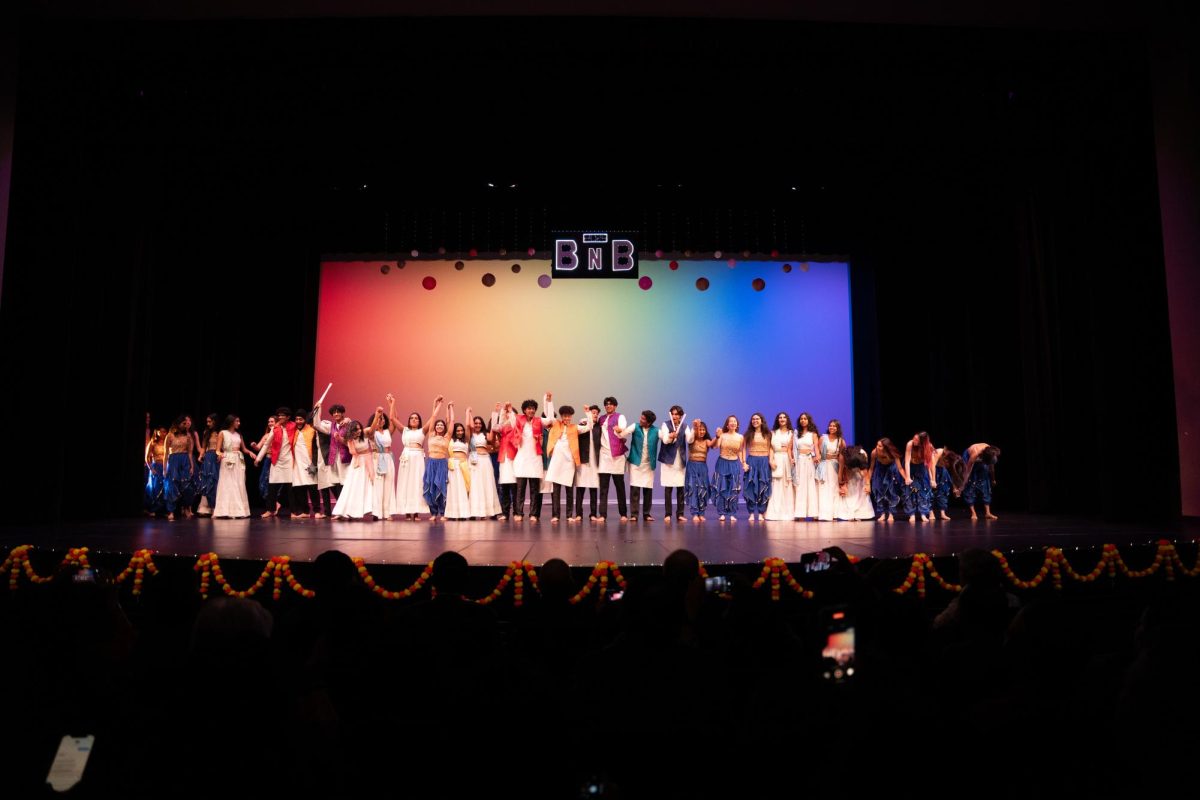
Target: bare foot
682,518
990,515
266,514
944,516
517,518
648,518
974,517
721,518
170,517
532,518
696,518
554,519
624,519
912,518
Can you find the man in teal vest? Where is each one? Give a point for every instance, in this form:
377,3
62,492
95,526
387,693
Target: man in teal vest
643,457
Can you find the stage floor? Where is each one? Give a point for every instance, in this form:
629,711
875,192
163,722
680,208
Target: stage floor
581,544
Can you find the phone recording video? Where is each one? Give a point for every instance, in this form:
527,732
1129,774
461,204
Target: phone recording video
85,575
717,583
816,562
837,656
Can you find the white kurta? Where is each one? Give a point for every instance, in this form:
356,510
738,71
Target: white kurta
613,465
805,478
562,461
528,462
231,480
641,475
329,473
587,475
673,474
302,459
281,469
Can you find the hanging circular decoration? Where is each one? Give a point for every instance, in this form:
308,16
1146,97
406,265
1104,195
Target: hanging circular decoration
441,251
516,268
531,251
732,263
401,264
503,252
429,282
674,265
414,253
718,255
472,252
787,267
644,283
774,253
804,267
658,253
385,269
489,279
458,265
702,284
544,281
759,284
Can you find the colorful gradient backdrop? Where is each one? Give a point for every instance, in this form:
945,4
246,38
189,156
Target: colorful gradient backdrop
727,350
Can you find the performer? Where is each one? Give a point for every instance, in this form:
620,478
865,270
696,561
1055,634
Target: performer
563,448
504,427
885,479
673,440
264,473
458,478
384,490
783,495
180,476
854,493
827,471
485,501
731,466
231,500
806,456
526,429
587,475
333,457
758,458
697,486
920,478
981,477
643,456
950,478
209,467
437,466
154,498
357,498
410,480
612,457
305,499
279,447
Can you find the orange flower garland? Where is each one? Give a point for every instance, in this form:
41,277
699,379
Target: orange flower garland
515,573
384,593
18,561
142,560
599,576
776,570
277,567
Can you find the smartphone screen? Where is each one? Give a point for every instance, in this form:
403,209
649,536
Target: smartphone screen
838,656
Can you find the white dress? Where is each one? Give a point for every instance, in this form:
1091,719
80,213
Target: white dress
805,477
358,489
587,475
231,480
386,501
827,489
857,503
674,475
458,497
410,477
485,500
781,506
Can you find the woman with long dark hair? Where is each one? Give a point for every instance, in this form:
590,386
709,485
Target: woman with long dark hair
981,477
485,498
806,455
783,495
950,479
854,492
831,447
154,500
231,500
458,483
885,479
357,498
758,458
731,467
386,501
697,486
410,480
920,477
210,467
180,480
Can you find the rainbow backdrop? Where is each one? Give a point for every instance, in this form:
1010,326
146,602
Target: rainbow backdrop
728,350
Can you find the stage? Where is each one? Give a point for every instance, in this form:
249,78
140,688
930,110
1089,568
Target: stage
490,543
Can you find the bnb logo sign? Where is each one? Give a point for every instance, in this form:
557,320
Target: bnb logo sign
593,255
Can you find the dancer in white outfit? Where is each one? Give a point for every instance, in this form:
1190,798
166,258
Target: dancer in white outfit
410,477
386,501
672,461
832,445
587,475
485,499
458,477
357,499
781,506
231,498
563,447
805,457
854,494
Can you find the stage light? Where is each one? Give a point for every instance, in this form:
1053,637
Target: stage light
385,269
658,253
472,252
441,251
732,263
503,252
491,186
531,251
717,255
414,253
745,254
774,254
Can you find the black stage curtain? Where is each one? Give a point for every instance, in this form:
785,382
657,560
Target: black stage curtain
174,186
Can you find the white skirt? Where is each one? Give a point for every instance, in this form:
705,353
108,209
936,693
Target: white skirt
586,476
410,479
231,490
386,501
485,500
857,503
358,492
562,466
781,506
806,488
641,476
458,499
827,493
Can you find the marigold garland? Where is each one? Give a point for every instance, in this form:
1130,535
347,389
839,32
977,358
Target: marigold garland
277,567
599,577
389,595
776,570
18,562
142,561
